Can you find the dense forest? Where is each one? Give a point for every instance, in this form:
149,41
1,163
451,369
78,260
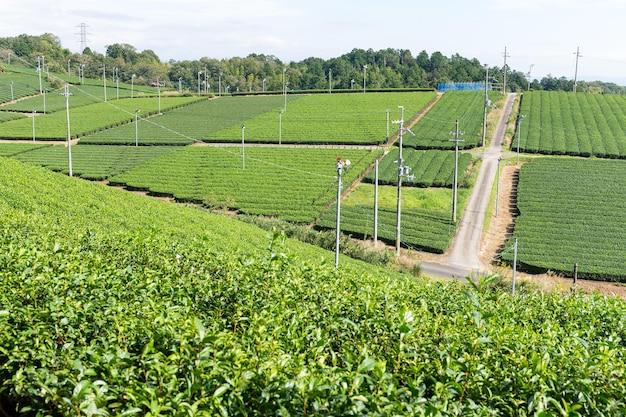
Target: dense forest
384,69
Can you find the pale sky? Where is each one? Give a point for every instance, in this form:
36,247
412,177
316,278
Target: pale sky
541,33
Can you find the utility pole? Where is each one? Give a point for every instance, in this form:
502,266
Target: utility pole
514,265
67,94
136,127
280,126
376,204
486,104
364,76
505,55
528,75
402,171
243,152
456,141
159,92
578,55
285,89
104,77
330,81
39,73
340,167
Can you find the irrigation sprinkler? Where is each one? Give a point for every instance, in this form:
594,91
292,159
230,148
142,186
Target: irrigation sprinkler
12,96
132,85
180,88
264,79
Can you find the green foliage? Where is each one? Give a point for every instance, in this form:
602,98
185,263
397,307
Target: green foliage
23,84
13,149
115,304
81,95
91,162
87,118
324,239
330,118
428,168
572,211
6,116
561,123
425,230
436,128
290,183
189,124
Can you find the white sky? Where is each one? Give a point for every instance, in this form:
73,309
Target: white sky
542,33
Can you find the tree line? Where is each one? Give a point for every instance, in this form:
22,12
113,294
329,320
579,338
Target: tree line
384,69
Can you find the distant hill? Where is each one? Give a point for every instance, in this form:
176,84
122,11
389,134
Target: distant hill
382,69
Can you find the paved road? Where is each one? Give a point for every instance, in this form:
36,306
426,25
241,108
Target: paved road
463,259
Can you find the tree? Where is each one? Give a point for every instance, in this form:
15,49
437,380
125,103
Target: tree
23,46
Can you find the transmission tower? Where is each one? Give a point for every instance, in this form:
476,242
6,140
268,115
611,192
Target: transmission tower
83,36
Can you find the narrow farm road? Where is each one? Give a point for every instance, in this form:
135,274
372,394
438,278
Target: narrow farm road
463,255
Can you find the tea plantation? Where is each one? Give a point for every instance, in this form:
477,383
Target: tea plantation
117,304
